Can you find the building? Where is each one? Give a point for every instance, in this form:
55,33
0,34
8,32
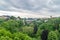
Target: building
5,16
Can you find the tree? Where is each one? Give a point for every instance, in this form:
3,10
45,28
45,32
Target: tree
27,30
18,17
5,38
35,28
44,35
10,25
52,36
12,17
21,36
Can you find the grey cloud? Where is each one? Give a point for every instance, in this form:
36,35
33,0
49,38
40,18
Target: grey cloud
51,6
29,4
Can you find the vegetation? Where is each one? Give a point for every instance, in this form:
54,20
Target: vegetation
20,29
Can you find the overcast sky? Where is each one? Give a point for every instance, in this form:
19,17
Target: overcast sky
30,8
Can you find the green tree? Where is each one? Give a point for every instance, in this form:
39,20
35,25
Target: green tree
10,25
5,38
21,36
12,17
52,36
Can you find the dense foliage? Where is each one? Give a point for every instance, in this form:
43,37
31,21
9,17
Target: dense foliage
20,29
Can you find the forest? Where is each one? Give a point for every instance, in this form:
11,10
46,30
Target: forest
19,29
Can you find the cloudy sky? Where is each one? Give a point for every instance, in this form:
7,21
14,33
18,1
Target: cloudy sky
30,8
